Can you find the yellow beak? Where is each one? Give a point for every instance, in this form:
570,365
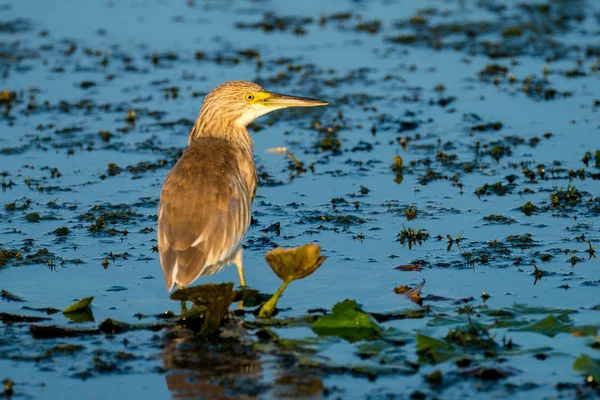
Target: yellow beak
283,100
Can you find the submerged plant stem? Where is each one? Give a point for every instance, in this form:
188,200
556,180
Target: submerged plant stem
267,309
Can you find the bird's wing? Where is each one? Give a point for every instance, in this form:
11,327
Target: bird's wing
204,212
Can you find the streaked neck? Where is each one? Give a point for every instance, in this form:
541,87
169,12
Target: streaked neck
221,124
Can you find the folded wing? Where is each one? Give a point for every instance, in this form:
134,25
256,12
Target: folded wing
204,211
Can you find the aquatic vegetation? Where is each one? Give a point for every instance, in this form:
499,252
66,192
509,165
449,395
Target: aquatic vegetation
372,27
429,177
412,293
411,236
455,102
6,255
498,189
80,305
490,126
8,296
290,265
62,231
499,151
588,366
529,208
568,197
348,321
499,218
33,217
210,305
24,204
411,213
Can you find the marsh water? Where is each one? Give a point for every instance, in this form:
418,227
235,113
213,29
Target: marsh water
474,122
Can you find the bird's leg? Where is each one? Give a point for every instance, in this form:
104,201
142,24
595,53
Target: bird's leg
238,263
183,303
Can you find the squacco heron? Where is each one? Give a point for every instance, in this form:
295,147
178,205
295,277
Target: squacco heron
206,200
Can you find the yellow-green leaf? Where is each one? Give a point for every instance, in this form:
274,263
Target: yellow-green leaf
295,263
79,305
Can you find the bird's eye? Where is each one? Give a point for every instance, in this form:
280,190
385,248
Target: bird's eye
249,97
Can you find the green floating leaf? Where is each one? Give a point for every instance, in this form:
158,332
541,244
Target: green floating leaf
435,378
498,313
296,321
435,351
519,351
584,330
413,313
79,305
509,323
473,336
8,318
348,321
325,368
45,310
526,310
489,374
549,326
425,343
442,320
112,326
53,332
588,366
306,346
83,315
372,349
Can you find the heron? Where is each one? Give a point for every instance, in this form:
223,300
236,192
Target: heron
206,200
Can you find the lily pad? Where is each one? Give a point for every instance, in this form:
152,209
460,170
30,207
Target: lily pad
443,319
112,326
526,310
348,321
489,373
549,326
588,366
360,371
9,318
79,305
584,330
83,315
53,332
435,351
402,314
45,310
371,349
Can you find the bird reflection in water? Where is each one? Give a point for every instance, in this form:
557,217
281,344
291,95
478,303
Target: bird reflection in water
227,368
198,368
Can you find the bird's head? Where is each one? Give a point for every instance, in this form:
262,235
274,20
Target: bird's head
241,102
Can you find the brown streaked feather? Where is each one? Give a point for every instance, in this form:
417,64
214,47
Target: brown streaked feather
208,193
